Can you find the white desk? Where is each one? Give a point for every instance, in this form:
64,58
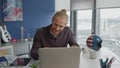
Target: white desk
86,62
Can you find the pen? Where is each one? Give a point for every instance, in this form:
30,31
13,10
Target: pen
111,60
101,61
106,61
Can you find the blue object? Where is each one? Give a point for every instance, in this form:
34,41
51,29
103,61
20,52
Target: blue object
96,42
2,59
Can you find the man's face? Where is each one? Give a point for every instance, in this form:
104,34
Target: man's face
58,25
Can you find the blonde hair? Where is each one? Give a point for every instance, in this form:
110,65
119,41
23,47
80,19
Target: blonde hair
61,13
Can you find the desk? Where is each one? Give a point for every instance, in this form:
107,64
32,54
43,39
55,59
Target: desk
86,62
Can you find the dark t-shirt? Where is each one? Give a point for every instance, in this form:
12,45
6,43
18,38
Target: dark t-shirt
44,38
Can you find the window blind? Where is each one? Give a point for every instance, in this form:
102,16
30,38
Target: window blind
107,3
62,4
85,4
82,4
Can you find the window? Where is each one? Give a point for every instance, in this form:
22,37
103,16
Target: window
84,25
68,13
110,28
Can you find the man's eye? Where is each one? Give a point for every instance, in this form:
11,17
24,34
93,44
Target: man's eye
55,24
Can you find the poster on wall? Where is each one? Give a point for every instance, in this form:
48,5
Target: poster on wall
12,10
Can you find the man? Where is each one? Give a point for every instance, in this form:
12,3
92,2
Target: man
57,34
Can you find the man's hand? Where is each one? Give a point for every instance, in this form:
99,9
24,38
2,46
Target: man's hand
74,46
90,41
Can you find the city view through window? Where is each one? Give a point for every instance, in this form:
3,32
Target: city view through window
109,27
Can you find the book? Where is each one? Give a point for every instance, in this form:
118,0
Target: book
20,62
3,61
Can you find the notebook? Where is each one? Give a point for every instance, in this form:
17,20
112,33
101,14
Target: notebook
59,57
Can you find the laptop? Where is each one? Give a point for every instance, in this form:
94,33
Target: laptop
59,57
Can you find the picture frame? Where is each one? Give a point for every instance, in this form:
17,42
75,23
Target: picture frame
12,10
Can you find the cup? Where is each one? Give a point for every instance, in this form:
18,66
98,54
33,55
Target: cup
106,66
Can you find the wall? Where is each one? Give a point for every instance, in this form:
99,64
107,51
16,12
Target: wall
36,13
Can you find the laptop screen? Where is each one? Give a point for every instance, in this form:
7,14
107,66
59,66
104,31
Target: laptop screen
59,57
